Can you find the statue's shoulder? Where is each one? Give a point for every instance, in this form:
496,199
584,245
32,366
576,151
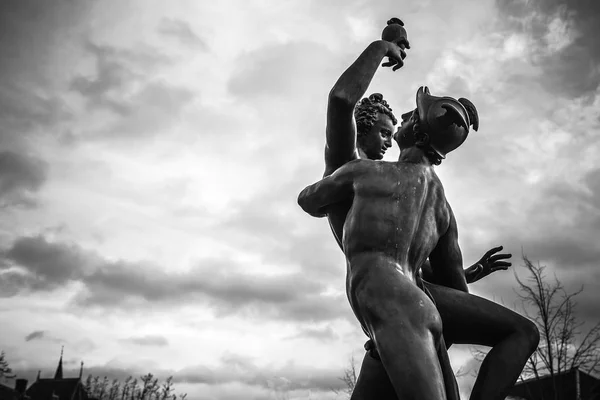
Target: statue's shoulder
362,168
376,166
363,163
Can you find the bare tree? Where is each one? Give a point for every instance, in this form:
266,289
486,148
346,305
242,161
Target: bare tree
113,392
125,389
101,389
349,378
563,346
5,370
147,387
166,389
134,390
88,384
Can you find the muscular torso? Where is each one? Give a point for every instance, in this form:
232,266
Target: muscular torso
399,211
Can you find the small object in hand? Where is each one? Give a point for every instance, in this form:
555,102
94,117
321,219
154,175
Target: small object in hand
394,32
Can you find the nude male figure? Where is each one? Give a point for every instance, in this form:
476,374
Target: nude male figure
476,321
399,216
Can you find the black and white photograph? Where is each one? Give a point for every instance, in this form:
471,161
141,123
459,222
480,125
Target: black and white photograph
299,199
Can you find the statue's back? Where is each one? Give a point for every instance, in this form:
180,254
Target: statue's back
399,210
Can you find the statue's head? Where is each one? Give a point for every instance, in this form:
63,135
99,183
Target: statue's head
438,125
374,126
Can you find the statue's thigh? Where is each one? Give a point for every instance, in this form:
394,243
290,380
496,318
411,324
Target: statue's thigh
373,382
385,298
470,319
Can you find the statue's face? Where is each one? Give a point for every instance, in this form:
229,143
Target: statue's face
404,134
379,138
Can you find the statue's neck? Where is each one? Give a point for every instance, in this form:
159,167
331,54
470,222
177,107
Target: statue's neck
413,155
362,154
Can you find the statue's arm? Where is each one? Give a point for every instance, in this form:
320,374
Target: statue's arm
446,259
340,144
332,189
489,263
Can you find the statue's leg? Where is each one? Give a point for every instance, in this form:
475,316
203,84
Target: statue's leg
406,328
470,319
373,382
450,383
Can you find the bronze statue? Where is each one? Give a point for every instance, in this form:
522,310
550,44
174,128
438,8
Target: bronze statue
465,318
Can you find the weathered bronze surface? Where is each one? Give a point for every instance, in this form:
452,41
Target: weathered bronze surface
405,280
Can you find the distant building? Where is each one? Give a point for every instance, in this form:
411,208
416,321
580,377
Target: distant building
58,388
18,393
571,385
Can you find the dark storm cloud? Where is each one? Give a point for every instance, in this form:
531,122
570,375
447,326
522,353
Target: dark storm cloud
23,111
29,30
220,284
573,70
45,336
50,265
35,335
588,308
557,223
592,181
115,70
21,176
111,76
569,220
148,340
183,32
123,83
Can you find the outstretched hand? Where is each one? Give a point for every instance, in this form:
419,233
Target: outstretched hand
395,54
490,262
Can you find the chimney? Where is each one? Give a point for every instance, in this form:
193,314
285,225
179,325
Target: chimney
21,386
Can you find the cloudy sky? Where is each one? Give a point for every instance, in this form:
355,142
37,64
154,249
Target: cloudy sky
151,155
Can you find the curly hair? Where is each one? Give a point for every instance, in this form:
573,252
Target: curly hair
422,141
366,111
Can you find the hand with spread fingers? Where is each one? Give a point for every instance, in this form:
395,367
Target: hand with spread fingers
490,262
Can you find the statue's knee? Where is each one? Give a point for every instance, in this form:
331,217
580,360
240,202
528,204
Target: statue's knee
530,332
534,335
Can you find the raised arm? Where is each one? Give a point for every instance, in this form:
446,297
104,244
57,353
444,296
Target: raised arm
488,264
332,189
446,259
348,90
